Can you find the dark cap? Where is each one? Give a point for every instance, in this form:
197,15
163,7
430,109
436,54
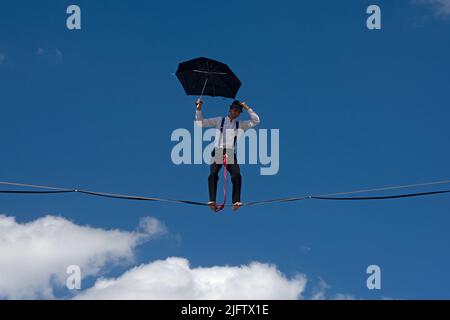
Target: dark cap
236,104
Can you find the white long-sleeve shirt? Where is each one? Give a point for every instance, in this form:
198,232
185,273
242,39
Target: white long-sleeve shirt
226,140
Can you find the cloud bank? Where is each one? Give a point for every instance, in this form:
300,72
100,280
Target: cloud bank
34,256
440,7
173,278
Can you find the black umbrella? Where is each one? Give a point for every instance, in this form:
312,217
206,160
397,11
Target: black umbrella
203,76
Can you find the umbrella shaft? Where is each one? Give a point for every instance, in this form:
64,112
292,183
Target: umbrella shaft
204,86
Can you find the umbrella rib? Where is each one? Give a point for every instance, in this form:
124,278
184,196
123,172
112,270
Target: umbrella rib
209,72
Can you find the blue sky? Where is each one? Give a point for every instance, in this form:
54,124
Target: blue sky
95,109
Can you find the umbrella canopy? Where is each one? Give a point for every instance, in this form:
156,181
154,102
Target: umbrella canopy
203,76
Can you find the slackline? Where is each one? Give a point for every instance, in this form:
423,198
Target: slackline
330,196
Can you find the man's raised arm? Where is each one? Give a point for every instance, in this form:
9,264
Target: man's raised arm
254,118
211,122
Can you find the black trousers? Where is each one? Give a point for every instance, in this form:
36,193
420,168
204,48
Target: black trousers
236,179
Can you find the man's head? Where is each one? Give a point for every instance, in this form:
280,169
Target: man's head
235,109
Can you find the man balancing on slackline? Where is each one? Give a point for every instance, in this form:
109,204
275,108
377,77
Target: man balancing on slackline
225,145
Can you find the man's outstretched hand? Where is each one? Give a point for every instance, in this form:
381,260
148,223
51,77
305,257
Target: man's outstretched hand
199,103
245,106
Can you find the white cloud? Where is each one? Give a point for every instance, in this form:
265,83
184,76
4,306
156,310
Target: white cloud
2,57
152,227
173,278
34,255
319,292
51,56
305,249
343,296
440,7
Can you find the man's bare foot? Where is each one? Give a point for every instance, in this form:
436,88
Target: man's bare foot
212,206
237,205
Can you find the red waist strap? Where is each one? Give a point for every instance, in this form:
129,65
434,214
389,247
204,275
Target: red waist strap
225,177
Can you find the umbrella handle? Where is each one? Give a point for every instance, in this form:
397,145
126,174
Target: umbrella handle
204,86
